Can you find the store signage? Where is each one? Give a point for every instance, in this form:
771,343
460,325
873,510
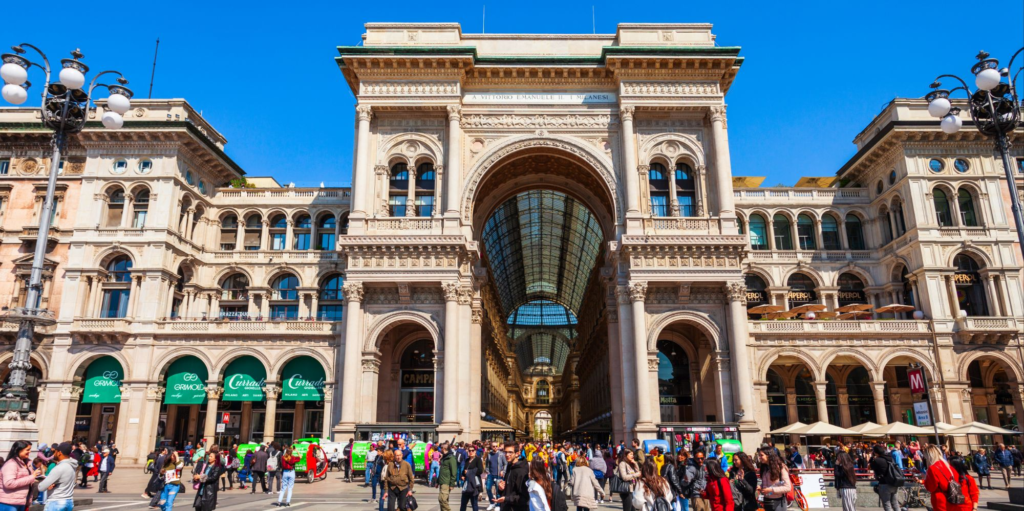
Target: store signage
813,488
226,418
303,380
756,296
83,423
800,296
851,296
549,98
221,428
916,377
103,381
186,382
921,414
417,379
965,278
244,380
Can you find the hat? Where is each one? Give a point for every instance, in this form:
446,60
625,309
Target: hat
65,448
106,451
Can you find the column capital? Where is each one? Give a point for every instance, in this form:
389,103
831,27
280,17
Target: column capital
381,170
736,290
155,392
652,362
353,291
214,391
643,170
717,113
371,364
451,291
454,113
363,112
626,113
271,391
622,295
637,291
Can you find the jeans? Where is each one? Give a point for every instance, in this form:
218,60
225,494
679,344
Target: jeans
103,481
8,507
462,467
274,476
684,504
374,481
287,482
168,495
491,482
887,494
435,472
59,505
366,473
469,499
380,502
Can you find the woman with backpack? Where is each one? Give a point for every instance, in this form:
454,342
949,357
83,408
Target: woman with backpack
846,481
951,489
629,472
718,491
743,475
655,490
544,496
775,485
671,474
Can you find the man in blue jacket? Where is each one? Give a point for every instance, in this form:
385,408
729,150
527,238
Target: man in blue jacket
1004,460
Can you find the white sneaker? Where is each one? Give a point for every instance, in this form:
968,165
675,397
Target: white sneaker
490,507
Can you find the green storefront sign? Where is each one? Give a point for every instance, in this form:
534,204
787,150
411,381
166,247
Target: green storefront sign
243,380
419,449
103,381
359,450
303,380
186,382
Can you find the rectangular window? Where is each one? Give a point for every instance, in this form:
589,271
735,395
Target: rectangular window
326,241
686,207
397,205
1020,166
115,303
329,312
424,205
140,220
830,239
302,241
280,312
659,205
5,167
277,241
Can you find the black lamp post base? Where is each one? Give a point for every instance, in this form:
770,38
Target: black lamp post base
13,400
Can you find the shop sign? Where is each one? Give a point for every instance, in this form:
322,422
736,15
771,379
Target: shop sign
83,423
851,296
186,382
916,379
417,379
103,381
221,427
244,380
756,297
965,279
921,414
303,380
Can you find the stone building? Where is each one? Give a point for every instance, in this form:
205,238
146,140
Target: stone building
541,229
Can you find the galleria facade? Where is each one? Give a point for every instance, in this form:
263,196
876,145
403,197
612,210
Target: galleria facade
541,230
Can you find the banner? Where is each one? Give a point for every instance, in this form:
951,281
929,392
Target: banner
813,488
244,380
303,380
921,415
103,381
186,382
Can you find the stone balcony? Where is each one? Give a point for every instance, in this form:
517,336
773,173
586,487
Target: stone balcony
792,256
405,225
987,330
884,327
101,329
277,255
680,225
284,328
801,196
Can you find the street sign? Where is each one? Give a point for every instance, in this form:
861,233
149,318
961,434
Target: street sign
921,414
916,377
221,427
227,418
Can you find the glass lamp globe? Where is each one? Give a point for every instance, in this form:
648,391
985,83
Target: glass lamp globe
72,78
119,103
14,94
13,73
987,79
939,107
112,120
951,124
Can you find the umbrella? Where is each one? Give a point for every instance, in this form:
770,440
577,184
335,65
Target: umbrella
781,315
979,428
860,428
898,428
944,426
823,315
894,308
822,429
811,307
765,309
857,307
786,429
855,315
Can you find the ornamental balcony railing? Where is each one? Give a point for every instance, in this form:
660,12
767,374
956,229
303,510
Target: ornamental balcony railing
298,328
421,225
278,255
680,225
802,195
284,193
101,325
809,255
987,329
842,327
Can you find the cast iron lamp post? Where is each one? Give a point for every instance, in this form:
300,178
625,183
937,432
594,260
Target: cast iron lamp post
65,110
995,109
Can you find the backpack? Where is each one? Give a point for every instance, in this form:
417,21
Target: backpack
954,492
558,502
893,475
272,463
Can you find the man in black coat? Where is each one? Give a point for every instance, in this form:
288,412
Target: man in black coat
515,496
259,468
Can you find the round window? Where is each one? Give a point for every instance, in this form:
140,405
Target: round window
145,166
936,165
878,188
202,186
188,177
892,177
120,166
961,165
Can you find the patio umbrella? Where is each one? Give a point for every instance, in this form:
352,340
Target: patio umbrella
944,426
898,428
765,309
781,315
894,308
824,315
856,307
811,307
785,429
979,428
855,315
823,429
861,428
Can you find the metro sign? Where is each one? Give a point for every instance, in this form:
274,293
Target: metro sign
916,377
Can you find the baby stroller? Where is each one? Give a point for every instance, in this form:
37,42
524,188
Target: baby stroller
244,476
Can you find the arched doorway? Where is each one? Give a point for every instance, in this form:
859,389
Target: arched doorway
302,383
243,402
970,289
860,396
675,386
993,399
416,395
182,412
542,426
100,406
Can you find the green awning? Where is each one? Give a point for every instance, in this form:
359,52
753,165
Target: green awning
103,381
243,380
186,382
303,380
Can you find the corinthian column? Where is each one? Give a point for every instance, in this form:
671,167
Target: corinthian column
737,291
353,353
450,407
213,392
629,162
360,174
723,165
637,295
454,165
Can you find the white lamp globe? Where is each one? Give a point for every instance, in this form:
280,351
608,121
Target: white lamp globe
13,73
951,124
987,79
918,315
72,78
112,120
14,94
810,316
119,103
939,107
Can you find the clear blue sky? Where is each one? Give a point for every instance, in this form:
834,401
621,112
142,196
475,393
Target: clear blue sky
263,72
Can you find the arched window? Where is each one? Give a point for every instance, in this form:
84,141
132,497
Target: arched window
302,232
830,239
777,409
970,290
234,297
686,190
783,232
115,207
898,219
942,212
398,189
426,180
907,288
860,397
141,208
331,301
543,392
886,226
675,392
253,232
325,232
855,233
228,232
284,301
741,227
966,202
416,399
117,289
851,290
658,181
801,290
758,232
805,232
278,232
757,291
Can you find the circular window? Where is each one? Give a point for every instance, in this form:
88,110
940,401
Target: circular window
145,166
188,177
961,165
892,177
936,165
878,188
120,166
202,186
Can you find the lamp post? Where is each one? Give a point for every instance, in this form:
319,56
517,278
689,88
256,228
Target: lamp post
65,110
995,110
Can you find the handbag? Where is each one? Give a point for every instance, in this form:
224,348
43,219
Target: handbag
616,484
639,500
410,503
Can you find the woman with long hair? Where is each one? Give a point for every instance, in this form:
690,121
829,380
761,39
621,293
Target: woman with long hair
774,480
385,460
968,485
940,474
627,470
743,475
655,487
586,488
686,473
718,491
287,468
170,473
539,486
16,477
670,472
846,480
207,474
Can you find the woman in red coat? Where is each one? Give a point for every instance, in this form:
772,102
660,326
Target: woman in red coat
940,473
717,492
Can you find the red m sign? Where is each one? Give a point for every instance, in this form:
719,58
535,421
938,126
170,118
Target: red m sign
916,377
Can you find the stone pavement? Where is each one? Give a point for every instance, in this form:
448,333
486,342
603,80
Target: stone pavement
332,493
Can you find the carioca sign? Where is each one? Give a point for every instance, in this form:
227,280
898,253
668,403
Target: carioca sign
304,380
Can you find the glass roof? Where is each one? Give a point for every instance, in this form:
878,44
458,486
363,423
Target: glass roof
541,246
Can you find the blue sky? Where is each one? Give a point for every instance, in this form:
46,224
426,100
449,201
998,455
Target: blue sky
263,73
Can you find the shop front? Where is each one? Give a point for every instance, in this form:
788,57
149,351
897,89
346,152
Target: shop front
183,411
302,393
243,409
99,409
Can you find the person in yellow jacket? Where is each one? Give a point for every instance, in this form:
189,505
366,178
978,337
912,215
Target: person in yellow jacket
530,449
659,458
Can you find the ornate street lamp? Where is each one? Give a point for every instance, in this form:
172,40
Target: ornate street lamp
65,109
995,109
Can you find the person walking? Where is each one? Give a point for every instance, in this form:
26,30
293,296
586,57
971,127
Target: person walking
515,496
371,456
699,482
495,471
399,482
346,459
1018,459
375,469
106,467
845,476
1004,461
600,468
883,467
188,454
259,469
718,491
473,478
586,488
668,470
284,499
435,466
385,460
207,474
274,467
448,476
983,467
743,475
155,485
654,488
540,489
16,477
171,474
628,471
59,484
774,481
938,481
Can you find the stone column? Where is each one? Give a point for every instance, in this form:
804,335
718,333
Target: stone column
169,309
673,194
264,233
273,392
382,175
627,358
371,368
289,235
439,184
128,200
314,303
739,354
615,369
993,297
449,419
213,392
133,296
954,304
360,172
637,296
410,199
94,291
240,236
454,165
475,368
353,353
723,165
700,184
845,420
820,397
629,161
188,223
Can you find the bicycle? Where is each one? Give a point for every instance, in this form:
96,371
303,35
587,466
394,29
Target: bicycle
912,495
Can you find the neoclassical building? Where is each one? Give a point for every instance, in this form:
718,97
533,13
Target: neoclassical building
541,229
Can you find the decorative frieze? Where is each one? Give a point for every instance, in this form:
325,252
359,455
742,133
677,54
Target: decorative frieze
660,90
600,121
418,88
